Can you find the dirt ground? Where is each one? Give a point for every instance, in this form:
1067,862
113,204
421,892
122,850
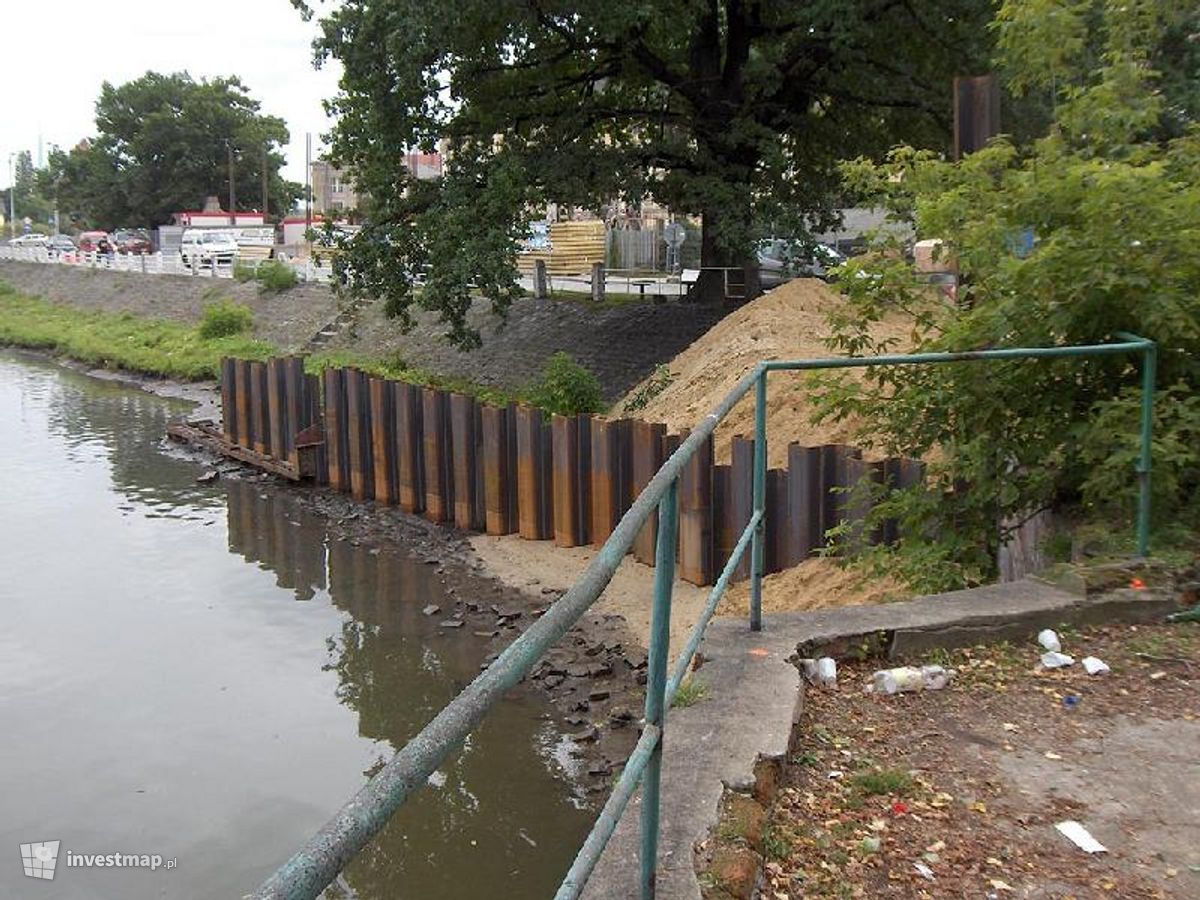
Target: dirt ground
788,322
969,782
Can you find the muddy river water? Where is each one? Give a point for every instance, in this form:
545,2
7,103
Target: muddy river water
206,672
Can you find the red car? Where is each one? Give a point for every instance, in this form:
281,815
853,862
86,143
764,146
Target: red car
90,240
130,241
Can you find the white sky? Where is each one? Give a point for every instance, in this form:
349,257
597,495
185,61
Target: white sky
57,55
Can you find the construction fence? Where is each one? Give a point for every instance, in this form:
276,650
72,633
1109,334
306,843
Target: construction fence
517,470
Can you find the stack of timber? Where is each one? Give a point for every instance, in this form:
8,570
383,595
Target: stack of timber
574,247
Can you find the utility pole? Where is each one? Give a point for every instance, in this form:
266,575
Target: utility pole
232,192
308,190
264,183
12,199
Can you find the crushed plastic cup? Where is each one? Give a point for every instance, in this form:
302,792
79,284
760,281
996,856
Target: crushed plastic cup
827,672
1094,666
1055,660
821,671
906,679
1048,638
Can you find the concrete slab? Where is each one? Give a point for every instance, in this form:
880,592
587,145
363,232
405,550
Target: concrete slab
747,716
754,696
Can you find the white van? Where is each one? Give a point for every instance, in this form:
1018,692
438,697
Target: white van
201,246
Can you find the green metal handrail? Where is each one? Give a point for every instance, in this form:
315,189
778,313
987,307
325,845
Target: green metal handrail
314,866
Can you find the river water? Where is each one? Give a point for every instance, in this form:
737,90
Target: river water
205,672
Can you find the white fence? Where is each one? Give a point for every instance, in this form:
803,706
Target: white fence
151,263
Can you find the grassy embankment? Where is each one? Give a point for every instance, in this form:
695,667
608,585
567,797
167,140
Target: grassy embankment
120,340
193,352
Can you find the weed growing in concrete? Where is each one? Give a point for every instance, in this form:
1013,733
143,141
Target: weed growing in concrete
691,691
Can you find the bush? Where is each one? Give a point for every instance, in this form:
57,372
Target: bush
565,387
224,319
275,276
243,272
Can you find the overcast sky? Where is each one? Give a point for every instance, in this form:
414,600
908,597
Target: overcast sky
59,53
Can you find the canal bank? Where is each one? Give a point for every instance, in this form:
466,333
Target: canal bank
226,660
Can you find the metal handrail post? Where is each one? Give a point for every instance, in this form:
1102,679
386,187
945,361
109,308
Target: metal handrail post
656,679
1149,365
757,548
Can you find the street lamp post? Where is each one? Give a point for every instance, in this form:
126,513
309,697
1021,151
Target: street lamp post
12,198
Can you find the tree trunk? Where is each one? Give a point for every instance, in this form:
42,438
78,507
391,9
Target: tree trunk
716,284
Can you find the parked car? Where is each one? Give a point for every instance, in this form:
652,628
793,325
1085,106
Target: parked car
89,241
28,240
203,247
132,241
780,260
60,245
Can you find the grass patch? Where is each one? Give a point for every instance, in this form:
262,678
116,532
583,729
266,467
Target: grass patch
397,369
883,782
691,691
120,340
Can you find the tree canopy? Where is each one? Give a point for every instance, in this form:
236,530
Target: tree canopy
162,146
1110,196
736,112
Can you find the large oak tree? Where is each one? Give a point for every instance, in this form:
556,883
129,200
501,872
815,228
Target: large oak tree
734,111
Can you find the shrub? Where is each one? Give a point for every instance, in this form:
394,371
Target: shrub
565,387
243,272
224,319
655,385
275,276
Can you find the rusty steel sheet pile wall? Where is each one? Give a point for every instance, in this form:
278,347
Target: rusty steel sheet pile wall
518,470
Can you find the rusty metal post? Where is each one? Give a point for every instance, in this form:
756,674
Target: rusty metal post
295,414
358,434
777,535
258,408
383,440
499,490
696,517
533,479
835,480
439,492
804,502
647,458
741,495
276,410
724,537
410,447
606,506
565,442
228,401
336,444
313,403
468,504
241,401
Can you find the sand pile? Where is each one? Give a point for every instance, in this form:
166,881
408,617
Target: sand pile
785,323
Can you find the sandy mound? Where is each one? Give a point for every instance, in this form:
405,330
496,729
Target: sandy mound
786,323
814,584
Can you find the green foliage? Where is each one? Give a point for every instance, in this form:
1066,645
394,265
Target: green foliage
397,369
225,318
274,276
655,385
883,782
243,272
567,388
1113,213
120,340
162,146
690,692
732,112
